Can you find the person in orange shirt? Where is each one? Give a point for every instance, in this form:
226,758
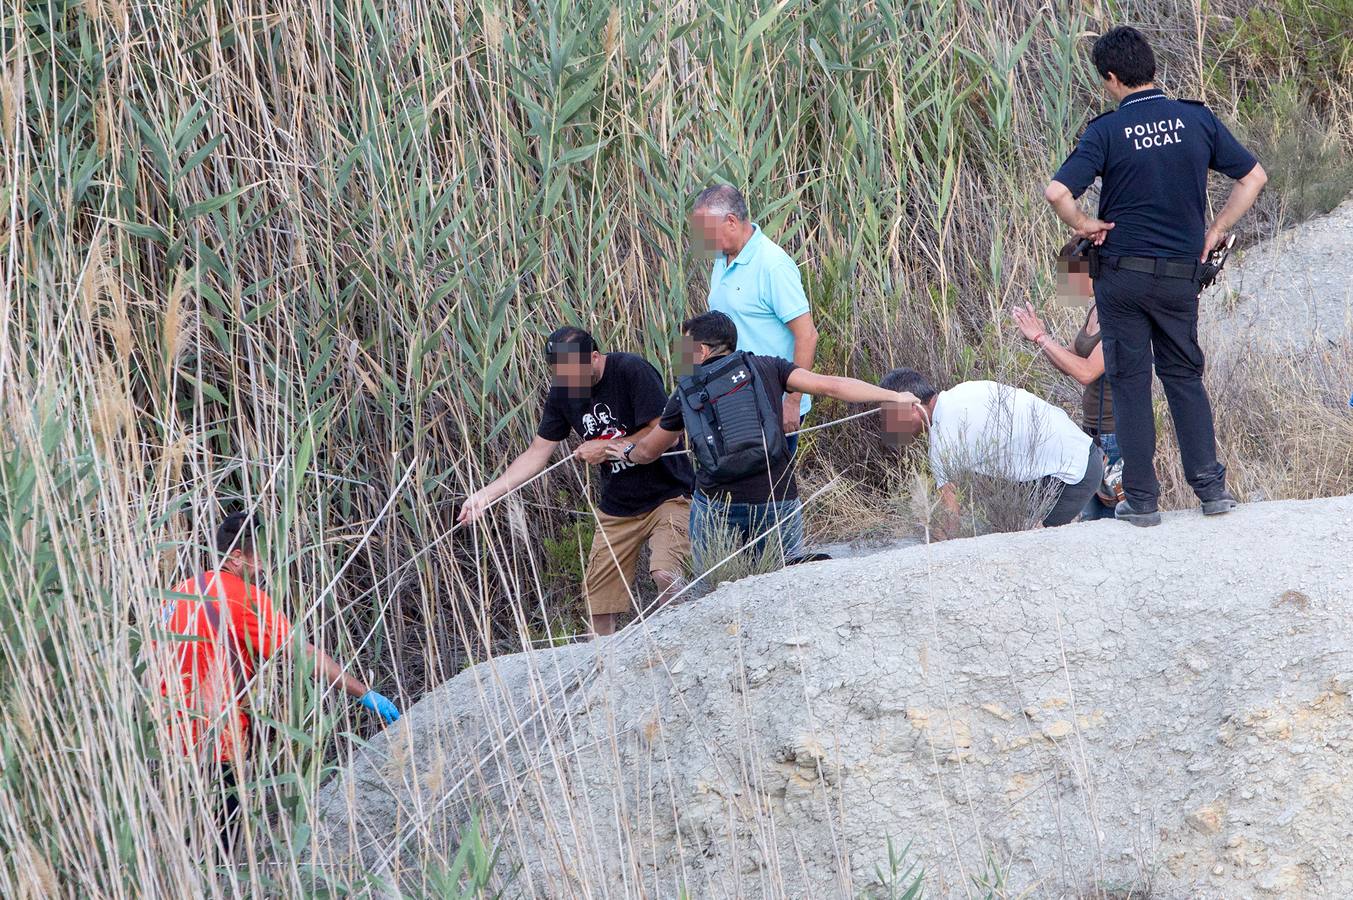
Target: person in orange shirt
222,627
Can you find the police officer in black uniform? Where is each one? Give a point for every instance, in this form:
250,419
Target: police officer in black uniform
1153,154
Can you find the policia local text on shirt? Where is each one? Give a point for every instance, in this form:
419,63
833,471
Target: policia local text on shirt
1153,154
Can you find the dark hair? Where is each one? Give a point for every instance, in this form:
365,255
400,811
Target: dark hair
909,380
713,329
568,341
1124,52
1073,257
236,531
722,200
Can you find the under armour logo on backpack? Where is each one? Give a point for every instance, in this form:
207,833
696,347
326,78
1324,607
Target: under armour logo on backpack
739,375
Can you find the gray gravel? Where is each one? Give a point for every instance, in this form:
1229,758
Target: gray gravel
1287,294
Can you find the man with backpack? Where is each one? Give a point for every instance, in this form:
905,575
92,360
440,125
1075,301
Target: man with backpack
601,396
222,627
729,408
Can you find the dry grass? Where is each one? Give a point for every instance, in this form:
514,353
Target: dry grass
297,258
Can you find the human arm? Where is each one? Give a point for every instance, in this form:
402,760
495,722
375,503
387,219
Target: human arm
331,673
1084,370
526,466
849,390
949,514
1059,197
595,452
805,352
1082,167
1243,194
656,441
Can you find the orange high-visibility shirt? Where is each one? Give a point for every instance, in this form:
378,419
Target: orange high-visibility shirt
215,673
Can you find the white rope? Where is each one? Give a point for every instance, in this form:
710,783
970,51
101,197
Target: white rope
398,570
579,675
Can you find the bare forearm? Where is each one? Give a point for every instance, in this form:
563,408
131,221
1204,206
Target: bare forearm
1079,368
521,470
950,513
1242,197
653,443
852,390
805,348
331,673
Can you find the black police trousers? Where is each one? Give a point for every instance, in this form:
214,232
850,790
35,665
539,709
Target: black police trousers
1145,318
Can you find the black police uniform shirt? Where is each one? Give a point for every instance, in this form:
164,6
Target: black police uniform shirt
628,396
1153,153
772,379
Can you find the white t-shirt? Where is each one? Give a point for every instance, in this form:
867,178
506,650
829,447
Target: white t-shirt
1005,432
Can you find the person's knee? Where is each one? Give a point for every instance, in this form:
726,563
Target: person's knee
666,580
1179,374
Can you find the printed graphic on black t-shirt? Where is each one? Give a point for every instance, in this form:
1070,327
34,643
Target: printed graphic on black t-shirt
772,375
629,395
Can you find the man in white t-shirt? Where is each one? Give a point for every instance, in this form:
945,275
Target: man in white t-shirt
997,430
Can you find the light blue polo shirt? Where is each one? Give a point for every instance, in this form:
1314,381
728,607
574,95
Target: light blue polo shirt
760,290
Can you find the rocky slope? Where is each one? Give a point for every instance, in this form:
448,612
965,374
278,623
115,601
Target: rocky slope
1288,294
1078,712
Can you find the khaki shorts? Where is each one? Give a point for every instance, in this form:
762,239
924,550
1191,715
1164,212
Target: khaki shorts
609,580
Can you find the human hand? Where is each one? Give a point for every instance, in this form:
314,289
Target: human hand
1095,230
1030,326
475,506
1211,241
907,398
616,450
596,452
789,413
381,706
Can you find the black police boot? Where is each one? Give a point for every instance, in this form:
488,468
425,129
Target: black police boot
1223,503
1124,512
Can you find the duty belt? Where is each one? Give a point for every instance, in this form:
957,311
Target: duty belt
1160,266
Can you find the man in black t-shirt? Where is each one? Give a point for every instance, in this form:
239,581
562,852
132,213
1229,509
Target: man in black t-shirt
765,503
601,397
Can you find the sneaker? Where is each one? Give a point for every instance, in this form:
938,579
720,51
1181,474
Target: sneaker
1124,512
808,558
1221,504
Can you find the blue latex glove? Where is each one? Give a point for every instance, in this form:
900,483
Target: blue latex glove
381,706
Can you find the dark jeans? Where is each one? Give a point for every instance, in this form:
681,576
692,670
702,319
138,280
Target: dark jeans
223,797
1072,497
745,521
1096,508
793,439
1148,319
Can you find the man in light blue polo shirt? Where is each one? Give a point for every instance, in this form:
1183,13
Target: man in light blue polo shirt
757,285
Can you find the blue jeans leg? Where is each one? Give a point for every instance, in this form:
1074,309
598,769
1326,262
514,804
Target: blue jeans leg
788,537
746,521
1096,508
793,439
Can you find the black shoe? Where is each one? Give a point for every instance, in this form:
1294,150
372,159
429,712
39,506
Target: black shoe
811,557
1221,504
1124,512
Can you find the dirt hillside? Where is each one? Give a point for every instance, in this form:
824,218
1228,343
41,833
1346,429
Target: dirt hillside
1070,712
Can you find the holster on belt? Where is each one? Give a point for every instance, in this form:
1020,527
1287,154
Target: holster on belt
1096,266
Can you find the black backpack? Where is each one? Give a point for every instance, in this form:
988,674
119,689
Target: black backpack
733,428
